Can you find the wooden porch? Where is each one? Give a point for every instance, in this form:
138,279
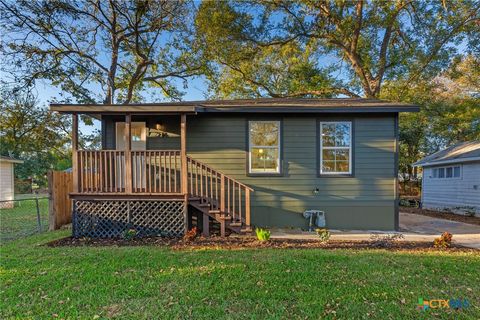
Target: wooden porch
161,174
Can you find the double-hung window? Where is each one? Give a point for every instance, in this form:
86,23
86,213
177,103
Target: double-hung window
336,147
264,147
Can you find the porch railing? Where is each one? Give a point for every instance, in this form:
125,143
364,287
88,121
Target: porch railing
101,171
159,172
156,171
152,172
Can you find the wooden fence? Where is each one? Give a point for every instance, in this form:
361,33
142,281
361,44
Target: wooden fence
60,184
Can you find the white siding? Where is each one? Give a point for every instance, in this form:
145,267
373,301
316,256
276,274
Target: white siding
451,193
6,181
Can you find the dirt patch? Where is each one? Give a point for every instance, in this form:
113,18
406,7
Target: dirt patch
239,243
443,215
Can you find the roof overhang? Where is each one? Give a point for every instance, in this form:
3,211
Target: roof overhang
442,162
122,109
310,109
11,160
238,106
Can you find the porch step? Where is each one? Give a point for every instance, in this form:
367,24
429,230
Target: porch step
218,190
218,216
204,205
235,224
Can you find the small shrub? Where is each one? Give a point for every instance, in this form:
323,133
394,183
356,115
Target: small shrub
385,240
446,210
406,202
262,234
129,234
466,210
470,213
444,241
191,234
323,234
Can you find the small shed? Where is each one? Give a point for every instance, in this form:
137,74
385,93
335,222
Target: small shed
7,177
451,178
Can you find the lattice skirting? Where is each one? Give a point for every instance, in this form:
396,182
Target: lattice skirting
111,218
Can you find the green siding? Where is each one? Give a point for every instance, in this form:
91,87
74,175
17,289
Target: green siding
172,125
365,201
109,127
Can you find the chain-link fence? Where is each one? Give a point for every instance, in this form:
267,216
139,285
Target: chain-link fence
23,217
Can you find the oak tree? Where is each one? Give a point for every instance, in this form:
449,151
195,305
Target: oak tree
368,41
99,51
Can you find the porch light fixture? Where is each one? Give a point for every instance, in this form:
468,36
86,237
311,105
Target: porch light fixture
160,126
159,131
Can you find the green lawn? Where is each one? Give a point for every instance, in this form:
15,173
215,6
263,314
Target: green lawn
21,220
153,282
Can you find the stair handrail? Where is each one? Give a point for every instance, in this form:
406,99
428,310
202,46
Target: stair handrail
224,204
190,159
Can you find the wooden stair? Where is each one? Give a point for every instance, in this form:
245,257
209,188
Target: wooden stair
219,198
224,219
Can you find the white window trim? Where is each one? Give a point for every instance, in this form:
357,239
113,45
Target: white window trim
445,174
350,160
250,146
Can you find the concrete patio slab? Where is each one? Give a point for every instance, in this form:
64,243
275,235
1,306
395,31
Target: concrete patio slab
463,233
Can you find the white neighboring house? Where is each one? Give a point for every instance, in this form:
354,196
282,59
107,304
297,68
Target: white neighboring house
451,178
6,177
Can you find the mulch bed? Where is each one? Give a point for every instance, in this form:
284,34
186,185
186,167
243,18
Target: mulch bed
443,215
244,242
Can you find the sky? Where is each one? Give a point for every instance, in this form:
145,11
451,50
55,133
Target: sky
197,90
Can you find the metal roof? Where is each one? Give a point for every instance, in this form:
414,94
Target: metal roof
461,152
263,105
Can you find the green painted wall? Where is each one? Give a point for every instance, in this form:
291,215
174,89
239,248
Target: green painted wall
365,201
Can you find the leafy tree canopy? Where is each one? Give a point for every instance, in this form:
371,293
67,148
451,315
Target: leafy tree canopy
369,41
450,111
35,135
99,51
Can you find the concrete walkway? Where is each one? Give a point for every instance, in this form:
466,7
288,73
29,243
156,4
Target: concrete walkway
414,227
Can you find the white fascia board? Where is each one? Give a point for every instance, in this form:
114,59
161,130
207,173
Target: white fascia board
440,162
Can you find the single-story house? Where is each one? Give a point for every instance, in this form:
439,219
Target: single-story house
7,187
451,178
239,163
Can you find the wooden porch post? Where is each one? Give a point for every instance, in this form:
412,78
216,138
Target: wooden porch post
183,152
247,207
183,156
128,153
205,225
74,151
